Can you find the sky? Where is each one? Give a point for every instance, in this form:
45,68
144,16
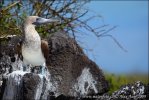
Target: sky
131,19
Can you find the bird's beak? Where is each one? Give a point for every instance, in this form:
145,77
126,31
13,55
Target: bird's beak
44,21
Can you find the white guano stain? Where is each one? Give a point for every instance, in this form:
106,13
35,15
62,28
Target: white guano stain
39,88
85,82
13,85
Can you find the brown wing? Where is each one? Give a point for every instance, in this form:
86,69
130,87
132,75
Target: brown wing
45,48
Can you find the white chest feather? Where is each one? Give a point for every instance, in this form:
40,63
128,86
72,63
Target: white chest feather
33,57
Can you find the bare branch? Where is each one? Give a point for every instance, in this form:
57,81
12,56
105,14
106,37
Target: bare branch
115,40
70,12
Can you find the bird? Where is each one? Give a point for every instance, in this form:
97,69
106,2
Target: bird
34,51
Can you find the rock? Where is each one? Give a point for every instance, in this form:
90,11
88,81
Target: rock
9,60
31,84
13,86
135,91
70,72
71,75
71,69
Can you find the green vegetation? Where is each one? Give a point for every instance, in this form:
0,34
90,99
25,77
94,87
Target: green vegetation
116,81
8,21
69,12
12,15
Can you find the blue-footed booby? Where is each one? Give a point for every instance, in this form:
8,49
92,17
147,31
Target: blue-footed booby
33,49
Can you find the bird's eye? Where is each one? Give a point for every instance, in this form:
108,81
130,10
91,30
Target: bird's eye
37,19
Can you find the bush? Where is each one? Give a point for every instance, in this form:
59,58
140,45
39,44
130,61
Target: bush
116,81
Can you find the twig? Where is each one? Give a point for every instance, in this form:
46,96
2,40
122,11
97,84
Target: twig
10,6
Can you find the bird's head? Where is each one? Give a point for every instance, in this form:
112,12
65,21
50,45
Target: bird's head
35,20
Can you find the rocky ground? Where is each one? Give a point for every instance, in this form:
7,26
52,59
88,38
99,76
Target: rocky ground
71,75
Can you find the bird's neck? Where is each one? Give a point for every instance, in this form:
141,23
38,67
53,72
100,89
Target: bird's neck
30,32
31,36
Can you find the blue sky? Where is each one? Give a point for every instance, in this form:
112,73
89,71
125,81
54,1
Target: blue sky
131,17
